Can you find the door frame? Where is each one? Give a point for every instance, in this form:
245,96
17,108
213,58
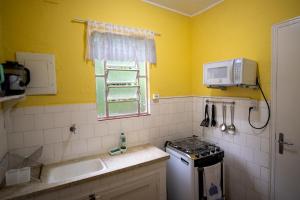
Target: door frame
274,68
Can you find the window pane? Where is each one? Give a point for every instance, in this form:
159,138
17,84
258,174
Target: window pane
123,108
99,67
143,97
142,66
100,87
121,76
120,64
122,93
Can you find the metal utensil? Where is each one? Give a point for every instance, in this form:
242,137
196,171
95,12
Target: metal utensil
223,126
231,127
213,122
205,121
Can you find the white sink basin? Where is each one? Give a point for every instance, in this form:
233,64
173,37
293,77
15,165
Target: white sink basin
69,170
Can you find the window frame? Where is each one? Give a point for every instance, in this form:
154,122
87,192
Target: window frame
106,88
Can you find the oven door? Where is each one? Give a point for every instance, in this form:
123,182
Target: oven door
182,177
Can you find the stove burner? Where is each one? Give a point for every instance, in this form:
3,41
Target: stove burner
195,147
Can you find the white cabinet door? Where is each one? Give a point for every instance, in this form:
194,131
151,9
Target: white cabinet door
286,110
42,72
142,189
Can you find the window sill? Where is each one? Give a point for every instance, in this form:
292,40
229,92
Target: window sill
123,117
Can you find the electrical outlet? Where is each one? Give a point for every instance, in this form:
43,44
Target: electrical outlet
155,98
254,104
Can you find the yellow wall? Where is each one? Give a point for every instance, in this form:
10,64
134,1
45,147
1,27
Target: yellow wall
233,28
45,27
237,28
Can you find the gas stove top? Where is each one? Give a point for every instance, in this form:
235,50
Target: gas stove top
195,148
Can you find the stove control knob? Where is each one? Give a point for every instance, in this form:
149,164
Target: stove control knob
217,149
212,151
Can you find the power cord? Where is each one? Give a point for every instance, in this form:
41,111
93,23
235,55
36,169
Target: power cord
269,111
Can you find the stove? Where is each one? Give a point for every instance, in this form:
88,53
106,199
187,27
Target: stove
185,168
195,148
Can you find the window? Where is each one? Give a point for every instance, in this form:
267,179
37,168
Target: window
122,89
121,56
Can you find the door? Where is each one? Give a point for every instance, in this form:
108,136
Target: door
286,110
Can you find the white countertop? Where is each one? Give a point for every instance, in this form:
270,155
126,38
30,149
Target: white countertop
134,157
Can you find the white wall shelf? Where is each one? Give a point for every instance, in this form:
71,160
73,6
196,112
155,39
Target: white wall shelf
7,103
10,98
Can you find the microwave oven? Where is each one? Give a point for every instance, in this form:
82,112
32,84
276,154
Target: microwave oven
234,72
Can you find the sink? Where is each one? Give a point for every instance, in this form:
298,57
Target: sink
72,169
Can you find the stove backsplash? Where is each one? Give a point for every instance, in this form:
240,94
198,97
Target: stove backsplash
247,154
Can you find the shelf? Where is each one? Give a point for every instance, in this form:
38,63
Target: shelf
10,98
122,69
123,86
122,100
121,83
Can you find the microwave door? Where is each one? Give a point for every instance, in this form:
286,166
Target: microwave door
219,75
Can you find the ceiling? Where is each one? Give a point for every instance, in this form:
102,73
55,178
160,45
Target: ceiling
185,7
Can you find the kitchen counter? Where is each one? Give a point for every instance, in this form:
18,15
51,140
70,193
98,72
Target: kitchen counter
135,157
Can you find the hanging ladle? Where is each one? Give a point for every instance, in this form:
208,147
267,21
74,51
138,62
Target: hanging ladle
231,127
223,126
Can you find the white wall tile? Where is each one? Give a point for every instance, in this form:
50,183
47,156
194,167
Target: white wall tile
101,129
15,140
114,127
33,138
110,141
94,144
53,135
79,117
33,110
23,123
86,131
62,119
79,147
43,121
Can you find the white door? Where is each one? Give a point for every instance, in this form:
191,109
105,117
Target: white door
286,110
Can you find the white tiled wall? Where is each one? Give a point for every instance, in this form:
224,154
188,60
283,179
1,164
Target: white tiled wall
3,143
247,154
49,126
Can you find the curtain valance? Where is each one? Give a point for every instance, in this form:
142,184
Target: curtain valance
119,43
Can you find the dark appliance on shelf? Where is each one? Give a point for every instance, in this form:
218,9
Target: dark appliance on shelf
16,78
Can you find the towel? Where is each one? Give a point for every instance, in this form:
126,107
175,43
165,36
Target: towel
212,182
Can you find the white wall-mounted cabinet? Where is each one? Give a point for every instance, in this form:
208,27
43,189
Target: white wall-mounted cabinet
42,72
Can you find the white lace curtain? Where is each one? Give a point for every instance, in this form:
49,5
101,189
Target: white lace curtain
118,43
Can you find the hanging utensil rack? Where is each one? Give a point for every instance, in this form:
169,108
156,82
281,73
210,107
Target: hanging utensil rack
221,102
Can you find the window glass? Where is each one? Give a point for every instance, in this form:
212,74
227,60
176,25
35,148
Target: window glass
123,89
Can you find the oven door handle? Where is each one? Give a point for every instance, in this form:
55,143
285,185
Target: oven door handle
184,161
